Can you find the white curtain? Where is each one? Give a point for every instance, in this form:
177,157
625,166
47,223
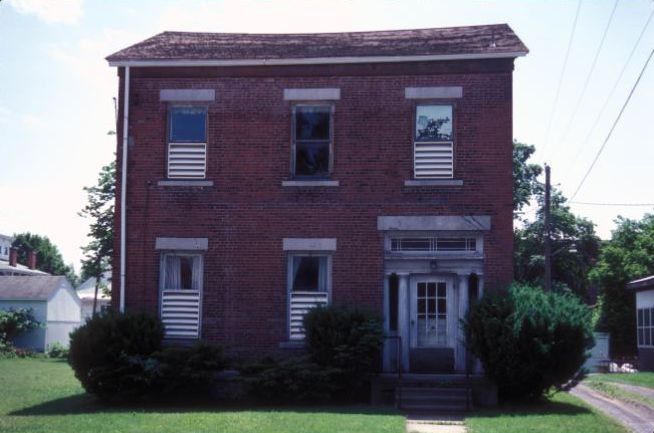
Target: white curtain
172,279
197,273
296,268
322,274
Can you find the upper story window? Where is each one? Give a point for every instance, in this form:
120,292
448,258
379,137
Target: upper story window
187,142
312,141
433,156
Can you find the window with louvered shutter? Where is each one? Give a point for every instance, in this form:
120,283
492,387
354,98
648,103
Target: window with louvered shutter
433,152
187,143
181,294
309,282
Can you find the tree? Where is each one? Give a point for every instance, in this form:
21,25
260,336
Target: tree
575,247
629,255
525,176
574,242
98,253
48,257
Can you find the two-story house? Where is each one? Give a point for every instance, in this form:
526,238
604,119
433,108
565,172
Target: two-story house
260,175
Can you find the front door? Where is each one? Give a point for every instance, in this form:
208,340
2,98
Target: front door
431,306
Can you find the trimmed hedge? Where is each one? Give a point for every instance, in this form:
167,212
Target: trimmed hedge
529,341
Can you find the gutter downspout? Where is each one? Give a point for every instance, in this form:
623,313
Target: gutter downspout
123,189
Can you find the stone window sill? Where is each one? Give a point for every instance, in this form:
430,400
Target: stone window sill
185,183
310,183
292,345
433,182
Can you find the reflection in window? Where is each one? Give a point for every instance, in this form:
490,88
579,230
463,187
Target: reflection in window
188,125
434,123
312,140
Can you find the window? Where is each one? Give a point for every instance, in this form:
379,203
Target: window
309,281
312,141
433,245
433,156
181,288
187,143
645,327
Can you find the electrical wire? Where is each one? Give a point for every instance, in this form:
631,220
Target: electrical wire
558,87
585,203
615,122
608,98
590,73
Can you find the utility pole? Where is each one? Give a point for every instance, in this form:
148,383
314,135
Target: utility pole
547,229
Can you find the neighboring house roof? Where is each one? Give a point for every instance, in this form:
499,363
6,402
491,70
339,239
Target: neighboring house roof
18,269
86,290
646,283
496,40
30,287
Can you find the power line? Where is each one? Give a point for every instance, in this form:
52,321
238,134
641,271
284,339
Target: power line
558,87
585,203
615,86
617,119
590,73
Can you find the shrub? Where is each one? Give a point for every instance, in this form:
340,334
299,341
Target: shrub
110,353
347,342
16,321
294,379
57,350
528,340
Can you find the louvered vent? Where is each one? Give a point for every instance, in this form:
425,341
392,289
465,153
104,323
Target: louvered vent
301,303
433,160
187,160
180,313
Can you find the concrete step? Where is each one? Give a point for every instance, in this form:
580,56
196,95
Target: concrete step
432,399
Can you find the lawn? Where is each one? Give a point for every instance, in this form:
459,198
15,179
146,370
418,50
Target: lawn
563,413
41,395
640,379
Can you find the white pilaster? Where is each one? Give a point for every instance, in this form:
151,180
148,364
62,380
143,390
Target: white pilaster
403,327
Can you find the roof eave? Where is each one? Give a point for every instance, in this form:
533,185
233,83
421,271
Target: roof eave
311,61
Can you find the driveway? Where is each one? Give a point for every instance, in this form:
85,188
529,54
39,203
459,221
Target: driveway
637,418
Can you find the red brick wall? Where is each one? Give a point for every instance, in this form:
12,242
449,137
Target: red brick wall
247,212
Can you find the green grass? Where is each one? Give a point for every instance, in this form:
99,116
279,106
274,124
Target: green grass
640,379
615,392
42,395
563,413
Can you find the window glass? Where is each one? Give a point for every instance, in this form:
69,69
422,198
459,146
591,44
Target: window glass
312,158
646,322
434,123
188,125
312,140
309,274
312,123
182,272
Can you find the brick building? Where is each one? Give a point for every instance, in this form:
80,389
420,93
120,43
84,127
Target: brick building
267,174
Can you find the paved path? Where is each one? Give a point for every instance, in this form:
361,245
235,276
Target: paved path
645,392
638,419
435,424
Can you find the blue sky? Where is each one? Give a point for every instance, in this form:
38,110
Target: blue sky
56,89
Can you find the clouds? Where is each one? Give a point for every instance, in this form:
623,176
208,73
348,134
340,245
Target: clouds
51,11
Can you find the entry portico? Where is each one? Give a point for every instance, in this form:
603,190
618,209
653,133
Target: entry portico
433,267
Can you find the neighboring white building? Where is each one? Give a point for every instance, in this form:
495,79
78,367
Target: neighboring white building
5,245
86,293
54,304
644,289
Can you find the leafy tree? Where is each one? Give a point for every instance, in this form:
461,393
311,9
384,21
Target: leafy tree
98,252
525,176
628,256
575,247
48,257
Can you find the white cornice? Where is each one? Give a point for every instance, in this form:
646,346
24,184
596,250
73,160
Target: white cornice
311,61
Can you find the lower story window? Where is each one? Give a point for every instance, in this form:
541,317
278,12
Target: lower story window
181,291
308,288
645,327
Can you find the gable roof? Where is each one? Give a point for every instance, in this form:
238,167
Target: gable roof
31,287
646,283
484,41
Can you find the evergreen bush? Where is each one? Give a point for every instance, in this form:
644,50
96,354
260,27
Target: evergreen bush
529,341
